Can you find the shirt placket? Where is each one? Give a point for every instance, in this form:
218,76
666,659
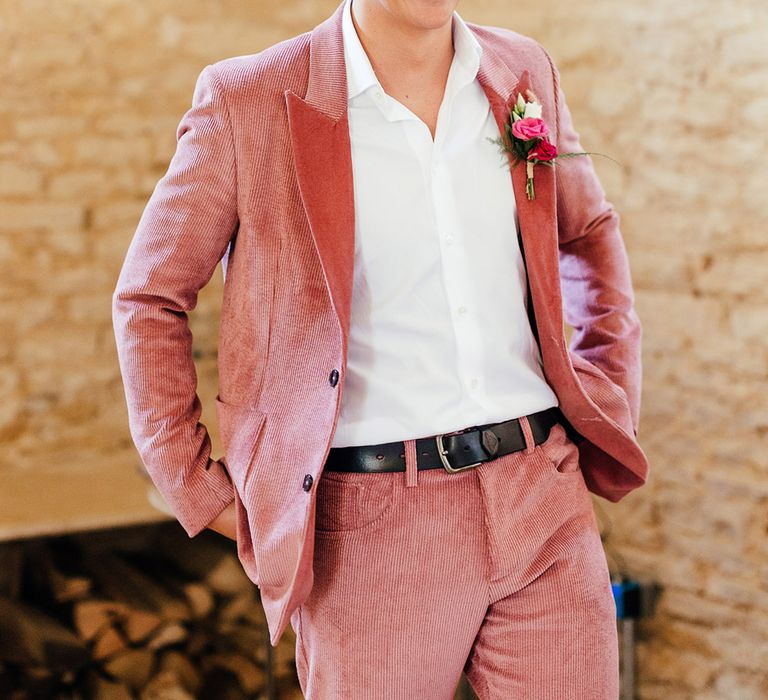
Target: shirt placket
452,243
459,289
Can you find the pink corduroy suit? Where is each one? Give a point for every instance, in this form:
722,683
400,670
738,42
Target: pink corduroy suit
262,180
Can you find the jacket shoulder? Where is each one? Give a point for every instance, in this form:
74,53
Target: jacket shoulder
514,48
275,69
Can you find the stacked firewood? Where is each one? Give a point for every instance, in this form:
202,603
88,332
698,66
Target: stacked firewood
143,613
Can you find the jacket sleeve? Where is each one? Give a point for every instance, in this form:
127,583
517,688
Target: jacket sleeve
598,299
182,234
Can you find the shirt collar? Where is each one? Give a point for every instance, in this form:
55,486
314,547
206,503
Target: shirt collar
360,73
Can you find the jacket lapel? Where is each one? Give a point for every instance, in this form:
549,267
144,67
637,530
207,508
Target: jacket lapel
319,135
537,217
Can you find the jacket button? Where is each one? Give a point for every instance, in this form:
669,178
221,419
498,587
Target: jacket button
334,377
307,482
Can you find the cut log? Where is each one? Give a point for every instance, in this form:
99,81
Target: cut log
179,663
164,617
44,579
97,687
165,686
200,640
197,556
92,616
200,599
66,589
108,642
250,676
117,579
167,635
132,667
243,605
29,637
248,640
139,625
197,594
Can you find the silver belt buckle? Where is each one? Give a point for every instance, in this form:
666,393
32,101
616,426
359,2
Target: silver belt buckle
443,453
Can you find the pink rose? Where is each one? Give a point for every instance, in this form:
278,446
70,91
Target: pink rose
529,128
543,151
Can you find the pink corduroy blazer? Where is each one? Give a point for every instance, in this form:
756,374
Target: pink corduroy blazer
262,180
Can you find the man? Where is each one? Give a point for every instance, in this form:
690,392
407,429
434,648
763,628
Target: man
410,444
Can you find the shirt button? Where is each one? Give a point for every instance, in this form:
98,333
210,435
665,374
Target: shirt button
308,480
473,382
462,310
333,378
449,239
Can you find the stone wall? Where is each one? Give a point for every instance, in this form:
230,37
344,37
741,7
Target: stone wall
90,97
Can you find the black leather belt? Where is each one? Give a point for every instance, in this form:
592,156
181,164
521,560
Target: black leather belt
453,451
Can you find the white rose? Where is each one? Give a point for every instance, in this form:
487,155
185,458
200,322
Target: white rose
532,110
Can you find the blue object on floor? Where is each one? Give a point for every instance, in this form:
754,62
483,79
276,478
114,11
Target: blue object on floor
627,597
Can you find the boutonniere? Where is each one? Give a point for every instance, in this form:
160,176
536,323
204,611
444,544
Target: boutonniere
527,139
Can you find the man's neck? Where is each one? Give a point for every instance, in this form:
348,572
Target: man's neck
405,50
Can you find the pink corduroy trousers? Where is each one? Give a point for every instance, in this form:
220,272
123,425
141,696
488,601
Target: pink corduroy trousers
498,571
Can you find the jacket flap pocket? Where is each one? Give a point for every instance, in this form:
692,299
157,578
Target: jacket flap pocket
240,428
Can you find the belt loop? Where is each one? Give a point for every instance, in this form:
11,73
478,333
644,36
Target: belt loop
525,426
411,469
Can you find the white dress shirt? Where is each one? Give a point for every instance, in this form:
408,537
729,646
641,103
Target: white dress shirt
439,335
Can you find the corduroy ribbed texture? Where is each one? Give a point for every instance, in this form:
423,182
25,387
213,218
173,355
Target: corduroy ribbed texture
262,180
182,235
497,570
